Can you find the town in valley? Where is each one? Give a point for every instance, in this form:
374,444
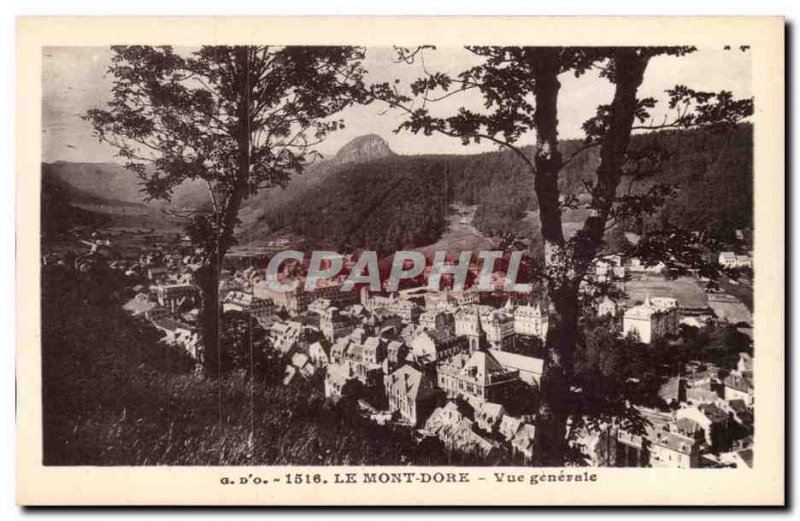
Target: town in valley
460,367
191,196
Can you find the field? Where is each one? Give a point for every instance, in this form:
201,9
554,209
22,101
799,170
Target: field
743,290
687,290
731,309
126,243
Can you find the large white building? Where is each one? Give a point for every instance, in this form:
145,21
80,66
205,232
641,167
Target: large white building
334,324
466,321
402,307
731,260
172,296
530,321
655,318
246,303
293,302
499,327
297,300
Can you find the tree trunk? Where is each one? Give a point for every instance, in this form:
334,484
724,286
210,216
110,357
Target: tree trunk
207,278
554,411
549,447
547,158
565,269
209,275
630,65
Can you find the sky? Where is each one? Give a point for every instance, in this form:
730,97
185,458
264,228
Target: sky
74,80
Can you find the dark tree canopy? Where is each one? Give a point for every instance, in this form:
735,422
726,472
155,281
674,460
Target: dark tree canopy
176,117
520,88
238,119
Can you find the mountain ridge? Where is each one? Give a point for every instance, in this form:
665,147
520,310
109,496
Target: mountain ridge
111,182
410,195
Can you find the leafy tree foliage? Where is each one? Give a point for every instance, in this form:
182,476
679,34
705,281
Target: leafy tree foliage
384,205
242,343
719,344
520,90
239,119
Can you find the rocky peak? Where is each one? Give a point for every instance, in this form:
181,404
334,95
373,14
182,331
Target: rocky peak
363,149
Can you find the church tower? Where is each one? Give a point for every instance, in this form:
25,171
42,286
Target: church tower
477,337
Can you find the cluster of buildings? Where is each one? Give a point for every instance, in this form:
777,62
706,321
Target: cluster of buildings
442,363
652,318
711,423
655,318
449,373
448,364
735,260
162,290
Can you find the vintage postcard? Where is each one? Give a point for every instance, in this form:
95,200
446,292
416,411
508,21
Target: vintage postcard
400,261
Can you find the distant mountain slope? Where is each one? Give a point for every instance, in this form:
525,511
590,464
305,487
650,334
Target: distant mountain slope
360,150
58,212
92,182
386,204
113,195
402,201
98,195
112,183
714,171
368,196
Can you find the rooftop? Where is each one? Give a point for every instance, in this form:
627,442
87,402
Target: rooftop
413,383
523,363
483,367
672,441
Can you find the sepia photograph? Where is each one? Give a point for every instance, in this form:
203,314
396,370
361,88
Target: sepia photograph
404,262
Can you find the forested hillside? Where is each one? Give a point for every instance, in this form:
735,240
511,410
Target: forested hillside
384,204
403,201
367,196
714,171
